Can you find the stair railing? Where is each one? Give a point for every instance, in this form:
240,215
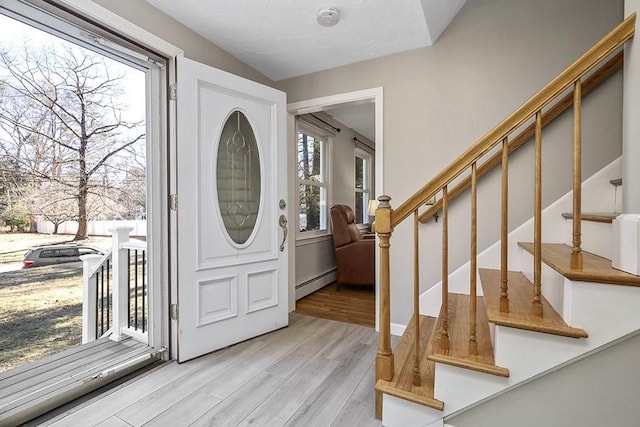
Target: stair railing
387,218
115,291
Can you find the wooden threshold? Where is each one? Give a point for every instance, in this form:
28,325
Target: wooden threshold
604,217
35,388
402,384
594,268
520,298
458,355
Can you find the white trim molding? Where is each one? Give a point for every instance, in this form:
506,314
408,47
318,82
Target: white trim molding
115,22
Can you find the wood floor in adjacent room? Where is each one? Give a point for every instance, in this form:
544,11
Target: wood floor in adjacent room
351,304
316,372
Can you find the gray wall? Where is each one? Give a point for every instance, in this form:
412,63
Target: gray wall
601,390
439,100
194,46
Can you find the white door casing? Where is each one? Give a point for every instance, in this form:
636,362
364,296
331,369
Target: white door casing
231,287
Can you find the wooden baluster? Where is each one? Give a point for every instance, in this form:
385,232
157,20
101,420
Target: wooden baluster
536,306
416,300
473,345
384,357
576,250
504,286
444,336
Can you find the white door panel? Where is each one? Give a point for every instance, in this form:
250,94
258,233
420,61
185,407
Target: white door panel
232,276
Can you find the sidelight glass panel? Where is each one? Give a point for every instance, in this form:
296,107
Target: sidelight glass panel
238,177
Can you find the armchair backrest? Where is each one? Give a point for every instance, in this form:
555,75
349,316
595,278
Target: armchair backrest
345,230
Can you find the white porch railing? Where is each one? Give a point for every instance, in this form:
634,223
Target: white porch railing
115,290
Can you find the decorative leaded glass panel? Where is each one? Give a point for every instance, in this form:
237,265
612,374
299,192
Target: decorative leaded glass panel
238,178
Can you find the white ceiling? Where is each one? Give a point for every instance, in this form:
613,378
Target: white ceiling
282,39
360,118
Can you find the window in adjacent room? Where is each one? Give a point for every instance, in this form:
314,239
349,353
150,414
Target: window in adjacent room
362,185
312,182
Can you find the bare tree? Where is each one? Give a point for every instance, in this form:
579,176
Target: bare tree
51,201
61,123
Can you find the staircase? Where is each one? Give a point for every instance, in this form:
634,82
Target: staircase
466,344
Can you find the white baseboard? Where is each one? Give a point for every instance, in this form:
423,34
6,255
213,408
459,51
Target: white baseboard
305,288
397,329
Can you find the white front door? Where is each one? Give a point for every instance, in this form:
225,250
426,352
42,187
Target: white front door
231,180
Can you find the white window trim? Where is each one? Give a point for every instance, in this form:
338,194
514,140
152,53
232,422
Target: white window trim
327,152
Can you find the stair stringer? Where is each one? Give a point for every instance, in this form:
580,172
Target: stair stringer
461,388
574,393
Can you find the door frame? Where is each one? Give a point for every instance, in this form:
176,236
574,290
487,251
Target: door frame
314,105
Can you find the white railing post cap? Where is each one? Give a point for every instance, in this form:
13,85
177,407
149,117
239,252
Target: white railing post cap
120,229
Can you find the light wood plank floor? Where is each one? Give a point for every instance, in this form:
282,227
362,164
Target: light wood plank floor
316,372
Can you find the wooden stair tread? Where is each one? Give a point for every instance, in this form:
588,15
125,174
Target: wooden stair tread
520,291
458,354
605,217
402,383
595,268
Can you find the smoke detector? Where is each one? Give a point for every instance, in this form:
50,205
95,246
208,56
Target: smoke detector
328,16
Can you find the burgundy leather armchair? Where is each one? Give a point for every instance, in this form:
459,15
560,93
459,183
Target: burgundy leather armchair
355,253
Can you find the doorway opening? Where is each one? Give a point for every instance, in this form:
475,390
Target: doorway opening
311,253
79,149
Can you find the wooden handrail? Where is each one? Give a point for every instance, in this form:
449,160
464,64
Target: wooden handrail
580,67
593,81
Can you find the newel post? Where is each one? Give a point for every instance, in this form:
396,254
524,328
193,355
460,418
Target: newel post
120,261
89,298
384,357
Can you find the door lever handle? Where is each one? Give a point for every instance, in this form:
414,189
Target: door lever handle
283,224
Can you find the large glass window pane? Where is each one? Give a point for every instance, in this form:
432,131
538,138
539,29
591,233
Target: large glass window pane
361,183
309,158
360,209
311,182
359,178
311,204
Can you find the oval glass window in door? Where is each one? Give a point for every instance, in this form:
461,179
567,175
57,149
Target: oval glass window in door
238,178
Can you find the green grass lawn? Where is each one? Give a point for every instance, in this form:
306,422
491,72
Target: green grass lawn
41,312
40,308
